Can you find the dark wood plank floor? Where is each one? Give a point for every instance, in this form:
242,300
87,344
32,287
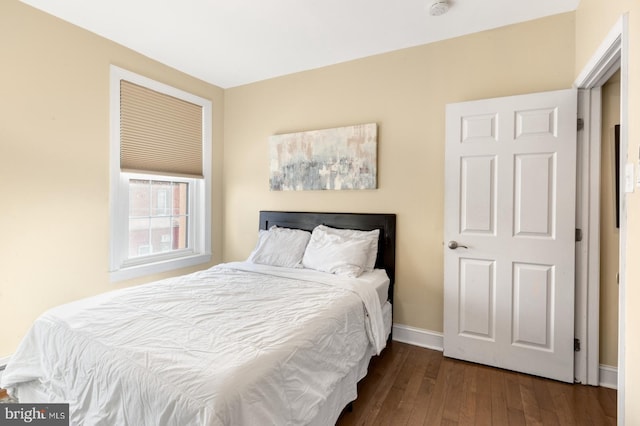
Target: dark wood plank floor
408,385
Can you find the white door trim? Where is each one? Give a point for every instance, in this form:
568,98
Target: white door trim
611,55
587,313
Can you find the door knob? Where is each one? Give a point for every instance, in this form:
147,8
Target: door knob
454,245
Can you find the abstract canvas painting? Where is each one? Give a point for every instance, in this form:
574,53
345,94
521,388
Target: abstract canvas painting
339,158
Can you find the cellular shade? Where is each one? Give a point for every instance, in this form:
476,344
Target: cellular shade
159,133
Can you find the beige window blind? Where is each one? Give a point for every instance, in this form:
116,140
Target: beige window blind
159,133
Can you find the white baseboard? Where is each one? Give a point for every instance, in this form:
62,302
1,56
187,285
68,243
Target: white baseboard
3,362
434,340
608,376
418,337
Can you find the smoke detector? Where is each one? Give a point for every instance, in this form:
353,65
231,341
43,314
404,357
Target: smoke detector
439,7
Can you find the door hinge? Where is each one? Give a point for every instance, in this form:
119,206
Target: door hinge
578,234
580,124
576,345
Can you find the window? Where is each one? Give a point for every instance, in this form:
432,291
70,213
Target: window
158,216
160,177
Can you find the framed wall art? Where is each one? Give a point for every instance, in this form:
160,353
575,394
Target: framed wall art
330,159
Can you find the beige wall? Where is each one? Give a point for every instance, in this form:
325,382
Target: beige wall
405,92
54,141
609,234
594,19
54,162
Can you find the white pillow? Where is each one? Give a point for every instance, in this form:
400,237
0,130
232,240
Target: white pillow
280,247
352,234
333,253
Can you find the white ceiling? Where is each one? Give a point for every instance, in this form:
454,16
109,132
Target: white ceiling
234,42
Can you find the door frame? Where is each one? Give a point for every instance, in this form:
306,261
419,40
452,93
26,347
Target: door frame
610,56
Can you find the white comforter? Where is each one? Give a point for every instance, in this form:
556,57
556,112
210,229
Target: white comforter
237,344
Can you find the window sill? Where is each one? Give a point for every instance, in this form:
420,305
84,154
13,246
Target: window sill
130,272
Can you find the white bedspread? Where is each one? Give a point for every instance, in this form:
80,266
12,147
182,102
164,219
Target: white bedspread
238,344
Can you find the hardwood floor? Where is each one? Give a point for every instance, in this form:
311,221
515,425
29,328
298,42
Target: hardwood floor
408,385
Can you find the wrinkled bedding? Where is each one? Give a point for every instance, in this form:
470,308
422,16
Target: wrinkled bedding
237,344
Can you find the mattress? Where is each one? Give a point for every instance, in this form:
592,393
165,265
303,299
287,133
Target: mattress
328,411
376,279
235,344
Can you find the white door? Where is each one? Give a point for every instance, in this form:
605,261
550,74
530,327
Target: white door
510,183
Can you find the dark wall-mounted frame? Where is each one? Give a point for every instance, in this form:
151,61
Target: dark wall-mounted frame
616,160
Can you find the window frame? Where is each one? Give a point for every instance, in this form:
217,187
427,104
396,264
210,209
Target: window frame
191,229
121,267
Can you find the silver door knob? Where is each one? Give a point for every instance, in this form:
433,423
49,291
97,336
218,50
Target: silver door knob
454,245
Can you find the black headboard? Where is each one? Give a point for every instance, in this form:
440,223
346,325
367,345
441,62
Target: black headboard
386,223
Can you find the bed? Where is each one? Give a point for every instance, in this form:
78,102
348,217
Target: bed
241,343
